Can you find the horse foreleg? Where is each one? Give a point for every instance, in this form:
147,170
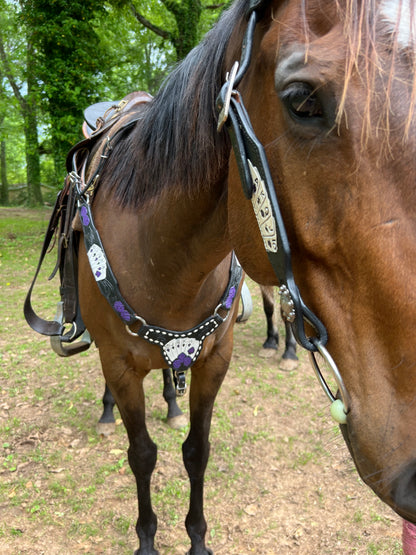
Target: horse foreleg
272,340
127,388
289,358
175,418
142,454
205,384
107,424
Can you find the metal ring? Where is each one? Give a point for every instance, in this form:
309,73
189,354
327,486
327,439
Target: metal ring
216,314
133,333
335,372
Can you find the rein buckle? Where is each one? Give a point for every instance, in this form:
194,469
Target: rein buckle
230,79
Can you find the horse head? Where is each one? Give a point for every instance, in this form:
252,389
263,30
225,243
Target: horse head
331,93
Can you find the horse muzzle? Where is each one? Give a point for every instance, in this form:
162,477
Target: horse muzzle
397,490
403,492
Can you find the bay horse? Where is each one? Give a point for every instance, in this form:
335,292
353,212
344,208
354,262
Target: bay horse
175,418
289,358
328,87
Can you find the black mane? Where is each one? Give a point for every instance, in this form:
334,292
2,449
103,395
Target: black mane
176,143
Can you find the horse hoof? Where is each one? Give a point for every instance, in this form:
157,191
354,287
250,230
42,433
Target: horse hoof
106,428
288,364
267,353
178,422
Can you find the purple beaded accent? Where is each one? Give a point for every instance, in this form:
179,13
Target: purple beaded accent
182,360
229,300
121,309
84,216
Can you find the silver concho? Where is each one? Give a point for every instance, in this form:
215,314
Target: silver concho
286,304
263,210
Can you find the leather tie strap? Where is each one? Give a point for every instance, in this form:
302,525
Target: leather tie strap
45,327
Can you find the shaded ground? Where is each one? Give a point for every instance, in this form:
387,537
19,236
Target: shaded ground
279,481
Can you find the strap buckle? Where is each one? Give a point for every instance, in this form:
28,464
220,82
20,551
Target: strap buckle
229,85
179,378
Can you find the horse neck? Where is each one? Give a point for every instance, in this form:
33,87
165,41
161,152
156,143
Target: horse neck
193,226
173,241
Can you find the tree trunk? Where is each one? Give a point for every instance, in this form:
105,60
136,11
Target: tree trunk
4,185
34,193
187,15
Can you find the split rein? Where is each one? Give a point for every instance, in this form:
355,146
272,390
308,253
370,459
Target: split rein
258,187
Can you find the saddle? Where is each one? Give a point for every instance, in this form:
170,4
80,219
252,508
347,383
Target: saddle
99,119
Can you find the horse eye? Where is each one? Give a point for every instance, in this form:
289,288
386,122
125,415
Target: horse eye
302,102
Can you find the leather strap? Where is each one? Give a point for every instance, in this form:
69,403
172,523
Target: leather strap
67,264
45,327
256,5
256,177
60,225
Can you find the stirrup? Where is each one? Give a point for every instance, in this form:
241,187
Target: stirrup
62,345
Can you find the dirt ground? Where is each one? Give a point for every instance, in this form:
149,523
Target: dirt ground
280,479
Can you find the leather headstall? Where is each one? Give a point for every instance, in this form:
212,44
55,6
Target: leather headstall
258,186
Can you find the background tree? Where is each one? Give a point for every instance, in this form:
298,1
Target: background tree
69,63
24,87
61,56
4,185
179,21
137,59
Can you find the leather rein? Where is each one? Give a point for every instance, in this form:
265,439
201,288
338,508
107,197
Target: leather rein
258,187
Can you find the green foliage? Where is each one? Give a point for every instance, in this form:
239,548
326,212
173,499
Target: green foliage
181,22
137,58
63,56
69,61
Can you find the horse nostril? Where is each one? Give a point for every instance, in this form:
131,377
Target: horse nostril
403,492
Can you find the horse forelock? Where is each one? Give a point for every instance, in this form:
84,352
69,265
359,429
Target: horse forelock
380,40
381,50
176,143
